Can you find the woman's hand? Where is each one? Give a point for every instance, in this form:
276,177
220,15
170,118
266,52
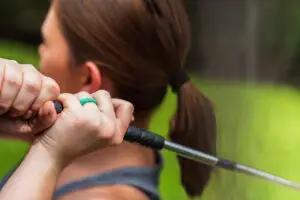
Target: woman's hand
81,129
78,130
23,90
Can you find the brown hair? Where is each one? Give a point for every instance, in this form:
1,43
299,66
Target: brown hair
140,45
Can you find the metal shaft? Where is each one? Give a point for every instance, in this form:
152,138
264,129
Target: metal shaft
225,164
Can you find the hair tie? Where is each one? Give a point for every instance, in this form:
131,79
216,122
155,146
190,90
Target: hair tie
178,80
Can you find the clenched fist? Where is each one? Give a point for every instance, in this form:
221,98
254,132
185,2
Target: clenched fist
23,91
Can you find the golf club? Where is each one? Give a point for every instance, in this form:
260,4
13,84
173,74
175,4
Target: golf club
157,142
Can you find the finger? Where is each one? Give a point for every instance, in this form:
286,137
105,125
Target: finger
121,105
70,102
47,115
8,61
90,106
31,86
11,85
104,103
124,113
46,118
49,91
16,126
28,114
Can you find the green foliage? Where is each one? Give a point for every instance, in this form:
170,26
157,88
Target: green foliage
16,51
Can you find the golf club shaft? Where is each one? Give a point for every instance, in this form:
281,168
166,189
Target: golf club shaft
157,142
225,164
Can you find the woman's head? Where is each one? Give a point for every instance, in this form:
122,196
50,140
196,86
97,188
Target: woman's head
132,48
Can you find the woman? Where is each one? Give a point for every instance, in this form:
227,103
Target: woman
134,50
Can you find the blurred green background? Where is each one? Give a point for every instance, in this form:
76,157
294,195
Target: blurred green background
245,57
258,125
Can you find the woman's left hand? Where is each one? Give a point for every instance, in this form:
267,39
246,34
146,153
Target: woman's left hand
81,129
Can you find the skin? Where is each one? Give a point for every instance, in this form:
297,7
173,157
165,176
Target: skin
23,91
53,150
55,63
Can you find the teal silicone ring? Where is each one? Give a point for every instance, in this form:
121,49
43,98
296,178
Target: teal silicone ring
87,100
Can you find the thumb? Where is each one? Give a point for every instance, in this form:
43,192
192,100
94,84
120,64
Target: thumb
46,118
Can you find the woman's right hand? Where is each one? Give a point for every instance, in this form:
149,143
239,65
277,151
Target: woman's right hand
82,129
23,90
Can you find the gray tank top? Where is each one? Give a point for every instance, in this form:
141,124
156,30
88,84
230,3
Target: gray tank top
145,179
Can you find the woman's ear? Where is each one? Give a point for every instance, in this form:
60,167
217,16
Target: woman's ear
92,77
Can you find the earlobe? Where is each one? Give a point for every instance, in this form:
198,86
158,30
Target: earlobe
93,79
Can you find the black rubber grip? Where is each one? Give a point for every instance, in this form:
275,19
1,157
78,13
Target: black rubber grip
145,138
134,134
58,106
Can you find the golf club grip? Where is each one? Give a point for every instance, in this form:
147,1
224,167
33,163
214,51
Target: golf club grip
133,134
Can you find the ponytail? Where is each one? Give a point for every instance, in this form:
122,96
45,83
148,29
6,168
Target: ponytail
194,125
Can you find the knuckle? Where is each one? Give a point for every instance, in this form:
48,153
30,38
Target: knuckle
110,132
19,108
13,82
33,87
94,127
33,83
13,78
104,93
51,86
129,106
107,129
28,67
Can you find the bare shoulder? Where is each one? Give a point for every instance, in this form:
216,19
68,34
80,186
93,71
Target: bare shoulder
117,192
125,155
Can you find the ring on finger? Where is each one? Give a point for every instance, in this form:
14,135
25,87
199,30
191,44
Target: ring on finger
87,100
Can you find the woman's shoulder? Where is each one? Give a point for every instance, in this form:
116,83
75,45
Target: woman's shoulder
127,167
